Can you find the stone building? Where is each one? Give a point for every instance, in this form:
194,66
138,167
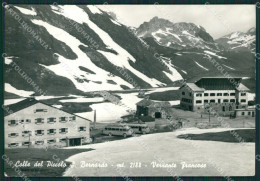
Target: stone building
154,109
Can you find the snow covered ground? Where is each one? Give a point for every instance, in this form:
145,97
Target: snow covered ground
105,112
12,101
221,158
9,88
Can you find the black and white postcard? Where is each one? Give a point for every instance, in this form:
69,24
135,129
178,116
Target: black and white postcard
129,90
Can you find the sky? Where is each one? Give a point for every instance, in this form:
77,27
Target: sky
218,20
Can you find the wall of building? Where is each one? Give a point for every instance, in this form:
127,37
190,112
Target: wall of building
245,113
164,112
242,96
72,126
199,99
188,96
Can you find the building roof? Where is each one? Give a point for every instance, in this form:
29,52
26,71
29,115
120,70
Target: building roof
10,109
149,103
241,87
218,83
194,87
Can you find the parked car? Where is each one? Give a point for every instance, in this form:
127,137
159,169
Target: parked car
117,130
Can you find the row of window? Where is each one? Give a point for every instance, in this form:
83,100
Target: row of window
50,120
27,143
186,100
41,132
248,113
214,101
116,129
218,94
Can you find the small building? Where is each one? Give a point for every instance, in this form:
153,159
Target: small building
30,123
219,93
154,109
248,112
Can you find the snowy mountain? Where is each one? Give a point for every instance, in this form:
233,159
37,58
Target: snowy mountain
71,50
84,51
176,35
239,41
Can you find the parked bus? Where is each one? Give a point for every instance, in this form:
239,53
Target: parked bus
139,128
117,130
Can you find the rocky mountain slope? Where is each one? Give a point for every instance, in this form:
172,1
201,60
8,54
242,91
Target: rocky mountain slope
239,41
76,49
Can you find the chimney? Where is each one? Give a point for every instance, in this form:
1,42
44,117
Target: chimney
95,119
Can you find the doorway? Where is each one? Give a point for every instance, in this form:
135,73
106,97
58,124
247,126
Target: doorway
158,115
75,142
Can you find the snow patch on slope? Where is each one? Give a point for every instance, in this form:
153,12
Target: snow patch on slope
228,67
115,22
8,60
26,11
79,15
201,66
70,68
214,54
94,9
9,88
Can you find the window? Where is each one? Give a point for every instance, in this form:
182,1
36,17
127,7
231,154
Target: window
183,93
13,144
63,119
243,100
51,120
63,130
198,95
82,128
73,118
206,101
26,133
223,108
40,110
232,94
226,94
39,132
225,100
212,101
243,113
243,94
39,142
12,122
206,94
13,135
190,94
63,140
27,143
51,131
219,94
39,121
249,113
25,121
51,141
232,100
198,102
212,94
